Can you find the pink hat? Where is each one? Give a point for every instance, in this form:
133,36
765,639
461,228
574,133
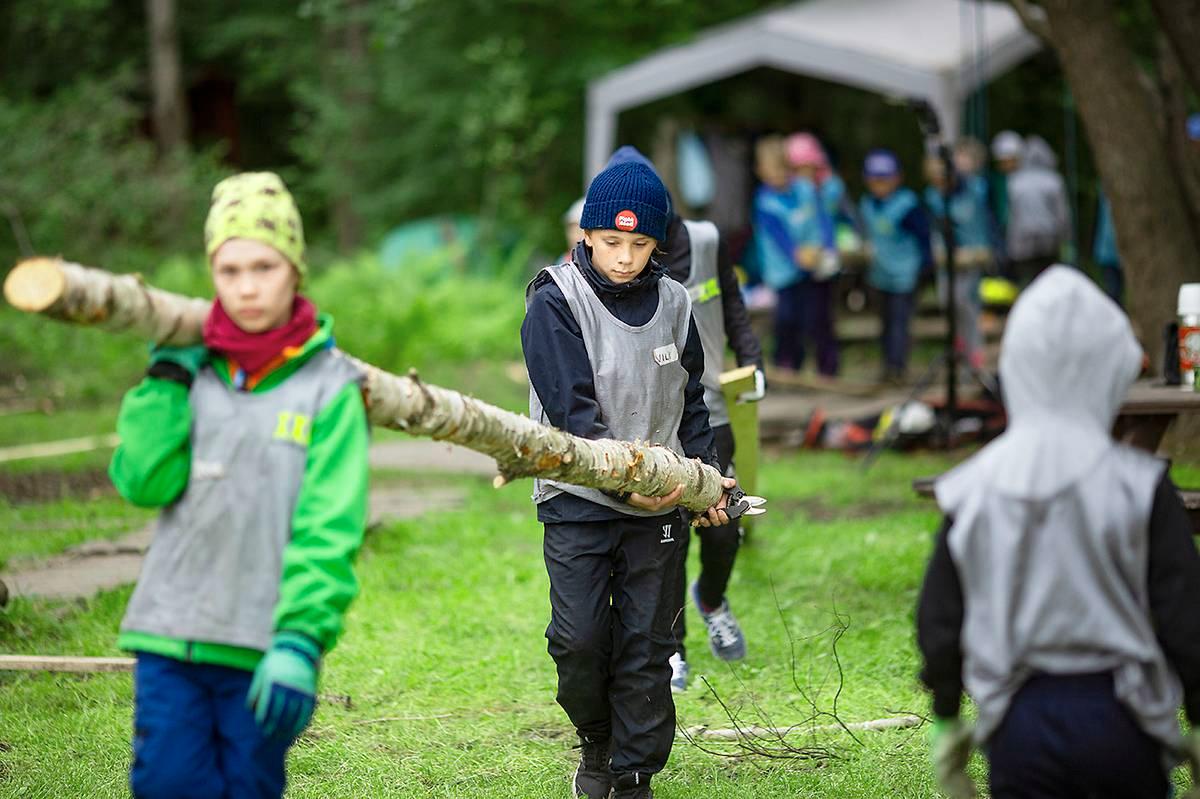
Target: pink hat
803,149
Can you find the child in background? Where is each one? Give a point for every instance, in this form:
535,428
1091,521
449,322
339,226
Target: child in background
897,230
571,229
819,196
254,445
613,352
1061,591
775,212
976,239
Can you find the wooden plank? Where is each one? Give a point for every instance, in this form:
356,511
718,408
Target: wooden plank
51,449
1147,398
77,665
743,419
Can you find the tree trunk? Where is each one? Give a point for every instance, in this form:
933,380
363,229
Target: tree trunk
1159,247
522,447
166,77
345,69
1180,21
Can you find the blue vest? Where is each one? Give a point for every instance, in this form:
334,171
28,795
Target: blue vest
1104,249
775,215
896,253
817,208
968,213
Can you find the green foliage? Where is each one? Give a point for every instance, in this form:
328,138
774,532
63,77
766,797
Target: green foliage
79,180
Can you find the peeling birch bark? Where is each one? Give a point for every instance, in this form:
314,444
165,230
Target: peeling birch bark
83,295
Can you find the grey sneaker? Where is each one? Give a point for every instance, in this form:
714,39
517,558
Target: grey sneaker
724,633
593,778
679,674
633,786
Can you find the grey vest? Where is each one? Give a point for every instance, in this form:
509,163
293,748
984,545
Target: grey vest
637,373
1059,586
704,289
213,569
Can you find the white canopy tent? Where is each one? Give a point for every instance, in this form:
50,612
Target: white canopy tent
939,50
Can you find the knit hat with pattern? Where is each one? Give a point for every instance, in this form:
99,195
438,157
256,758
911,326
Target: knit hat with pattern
256,205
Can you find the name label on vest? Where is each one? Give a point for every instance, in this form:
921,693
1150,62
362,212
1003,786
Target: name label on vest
666,354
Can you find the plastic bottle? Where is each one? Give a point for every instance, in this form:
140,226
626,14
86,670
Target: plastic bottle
1189,334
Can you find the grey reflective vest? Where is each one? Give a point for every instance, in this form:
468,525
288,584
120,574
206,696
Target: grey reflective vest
222,541
704,289
637,373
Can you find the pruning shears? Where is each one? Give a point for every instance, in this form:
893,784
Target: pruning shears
742,504
739,503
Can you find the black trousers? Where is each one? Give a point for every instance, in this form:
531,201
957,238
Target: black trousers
610,632
718,551
1067,737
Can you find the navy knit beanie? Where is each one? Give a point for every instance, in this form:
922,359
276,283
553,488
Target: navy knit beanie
627,195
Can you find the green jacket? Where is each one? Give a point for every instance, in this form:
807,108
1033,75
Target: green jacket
152,467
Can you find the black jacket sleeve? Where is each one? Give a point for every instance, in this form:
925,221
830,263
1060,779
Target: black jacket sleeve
741,337
1174,588
939,628
695,434
557,360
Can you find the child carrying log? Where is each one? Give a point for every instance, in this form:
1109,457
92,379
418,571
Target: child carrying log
613,352
254,445
1061,594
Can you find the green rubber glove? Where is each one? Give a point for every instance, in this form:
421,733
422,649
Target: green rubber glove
1191,749
950,745
190,359
283,692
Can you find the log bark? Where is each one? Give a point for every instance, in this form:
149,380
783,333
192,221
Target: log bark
704,733
1159,247
521,447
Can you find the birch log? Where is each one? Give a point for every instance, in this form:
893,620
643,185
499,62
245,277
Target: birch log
73,293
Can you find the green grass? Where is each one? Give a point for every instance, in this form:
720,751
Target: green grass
452,690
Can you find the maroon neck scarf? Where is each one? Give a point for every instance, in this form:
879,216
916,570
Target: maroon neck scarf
254,352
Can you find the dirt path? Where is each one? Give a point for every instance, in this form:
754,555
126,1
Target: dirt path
99,565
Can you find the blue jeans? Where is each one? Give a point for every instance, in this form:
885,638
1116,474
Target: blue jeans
194,737
896,309
1067,737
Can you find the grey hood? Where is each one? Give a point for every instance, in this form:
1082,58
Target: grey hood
1037,154
1067,360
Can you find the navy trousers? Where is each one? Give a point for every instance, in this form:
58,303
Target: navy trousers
803,314
194,737
1067,737
896,308
718,551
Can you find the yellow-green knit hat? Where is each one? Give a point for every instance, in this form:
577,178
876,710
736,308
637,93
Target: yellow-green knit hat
256,205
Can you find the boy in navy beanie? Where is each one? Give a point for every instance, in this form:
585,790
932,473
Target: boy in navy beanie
612,352
694,256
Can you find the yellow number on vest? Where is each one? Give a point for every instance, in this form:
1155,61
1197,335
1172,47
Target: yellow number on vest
293,427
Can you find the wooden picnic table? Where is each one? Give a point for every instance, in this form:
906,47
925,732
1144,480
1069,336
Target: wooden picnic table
1143,420
1148,411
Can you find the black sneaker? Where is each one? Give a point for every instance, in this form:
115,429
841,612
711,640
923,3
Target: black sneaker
593,778
633,786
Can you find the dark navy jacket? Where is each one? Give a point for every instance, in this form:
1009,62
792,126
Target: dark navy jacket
558,365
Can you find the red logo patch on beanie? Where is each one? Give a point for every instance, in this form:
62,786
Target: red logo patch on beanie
626,220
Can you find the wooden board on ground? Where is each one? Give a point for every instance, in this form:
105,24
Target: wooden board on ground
78,665
833,385
743,420
53,449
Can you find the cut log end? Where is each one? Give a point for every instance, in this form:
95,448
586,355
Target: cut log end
35,284
499,481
